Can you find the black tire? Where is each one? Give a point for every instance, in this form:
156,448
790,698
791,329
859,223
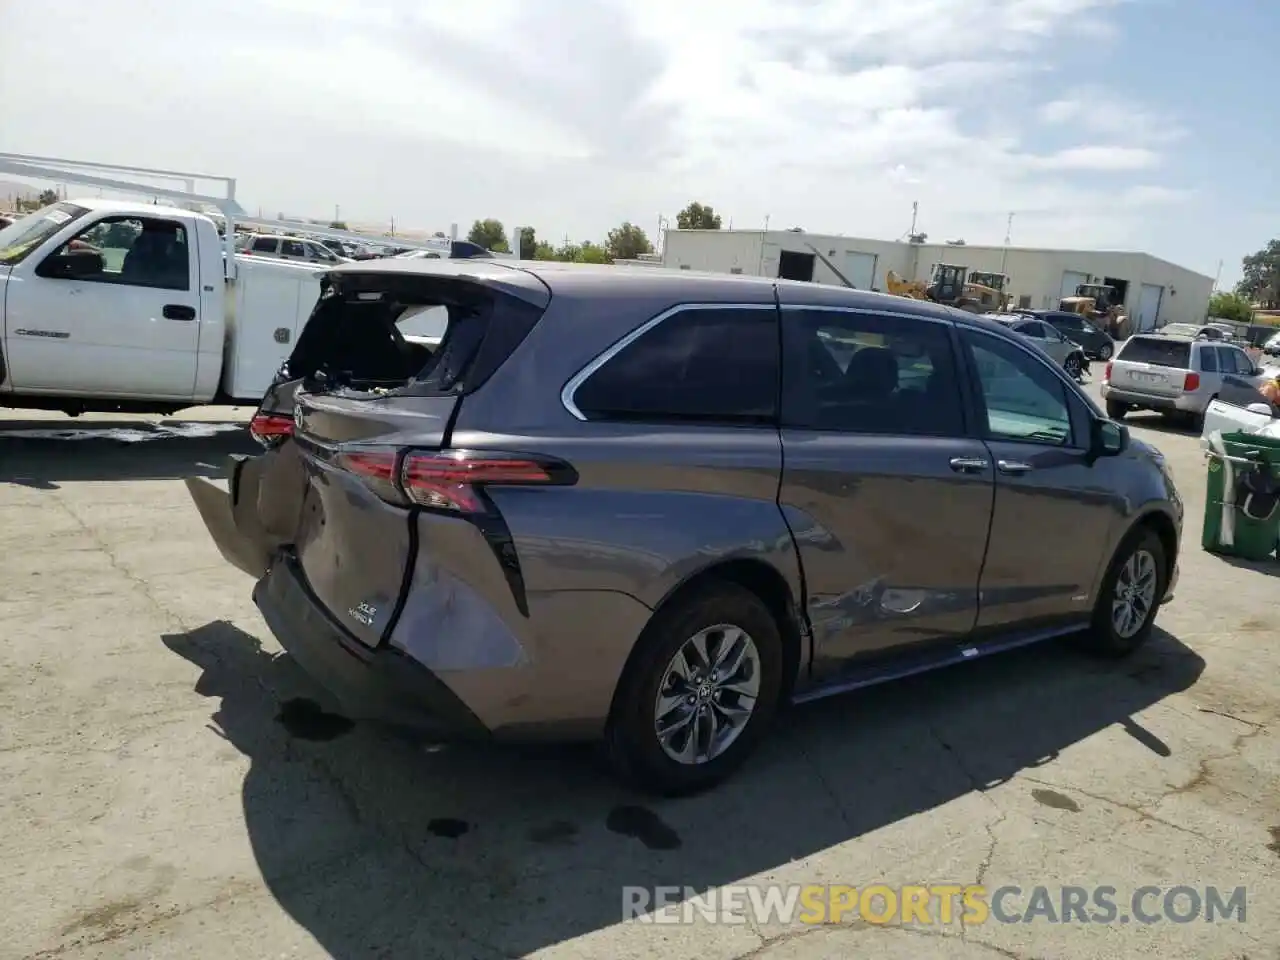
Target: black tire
1116,410
631,738
1102,637
1105,351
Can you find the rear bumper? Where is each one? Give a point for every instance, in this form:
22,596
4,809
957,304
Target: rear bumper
1183,403
384,684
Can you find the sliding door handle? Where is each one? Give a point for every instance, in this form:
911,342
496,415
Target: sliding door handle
1014,468
969,464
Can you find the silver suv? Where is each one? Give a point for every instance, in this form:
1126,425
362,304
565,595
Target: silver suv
1173,375
651,508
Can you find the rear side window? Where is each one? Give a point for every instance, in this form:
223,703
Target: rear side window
866,374
718,365
265,244
1158,351
1208,360
292,248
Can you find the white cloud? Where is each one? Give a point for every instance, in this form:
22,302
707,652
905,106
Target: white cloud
1091,111
575,115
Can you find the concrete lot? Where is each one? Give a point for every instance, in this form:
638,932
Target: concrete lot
168,794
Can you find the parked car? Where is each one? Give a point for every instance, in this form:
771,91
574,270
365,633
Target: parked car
1096,342
297,249
1192,331
1045,336
1173,375
651,507
1271,347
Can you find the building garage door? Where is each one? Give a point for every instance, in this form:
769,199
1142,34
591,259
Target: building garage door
859,269
1070,280
1149,307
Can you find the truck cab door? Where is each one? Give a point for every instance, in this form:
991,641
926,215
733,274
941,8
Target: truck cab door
114,312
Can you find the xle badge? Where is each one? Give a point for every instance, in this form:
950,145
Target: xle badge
363,613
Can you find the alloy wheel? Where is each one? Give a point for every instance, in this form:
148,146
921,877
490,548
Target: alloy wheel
1134,594
708,694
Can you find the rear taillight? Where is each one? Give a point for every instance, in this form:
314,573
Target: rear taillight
450,479
270,428
1192,382
1106,373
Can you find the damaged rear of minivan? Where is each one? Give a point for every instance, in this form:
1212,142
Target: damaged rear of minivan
356,431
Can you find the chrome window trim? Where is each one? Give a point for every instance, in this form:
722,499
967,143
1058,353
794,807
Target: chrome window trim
583,375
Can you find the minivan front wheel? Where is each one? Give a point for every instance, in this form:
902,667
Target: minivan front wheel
1130,596
700,692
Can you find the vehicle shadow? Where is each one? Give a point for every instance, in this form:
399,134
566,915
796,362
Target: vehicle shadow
381,847
43,454
1160,424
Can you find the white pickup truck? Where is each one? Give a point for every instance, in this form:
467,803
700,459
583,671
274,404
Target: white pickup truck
115,306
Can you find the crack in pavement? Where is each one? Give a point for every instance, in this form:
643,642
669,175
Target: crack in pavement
1136,809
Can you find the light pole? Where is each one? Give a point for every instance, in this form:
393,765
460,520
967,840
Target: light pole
1008,232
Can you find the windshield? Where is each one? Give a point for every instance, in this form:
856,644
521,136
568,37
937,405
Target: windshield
18,239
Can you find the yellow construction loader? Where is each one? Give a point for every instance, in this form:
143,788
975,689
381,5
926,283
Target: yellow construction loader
989,290
913,289
1098,302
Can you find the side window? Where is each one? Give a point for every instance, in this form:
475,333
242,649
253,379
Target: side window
1244,366
292,248
1022,398
264,244
715,365
861,373
134,251
1209,359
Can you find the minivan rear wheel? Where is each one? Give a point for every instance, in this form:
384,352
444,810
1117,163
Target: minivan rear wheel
1130,596
699,693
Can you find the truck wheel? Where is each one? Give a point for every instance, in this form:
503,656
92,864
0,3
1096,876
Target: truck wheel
1130,595
1116,410
699,693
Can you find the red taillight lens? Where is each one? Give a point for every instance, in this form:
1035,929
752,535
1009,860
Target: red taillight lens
1192,382
1106,373
270,428
450,479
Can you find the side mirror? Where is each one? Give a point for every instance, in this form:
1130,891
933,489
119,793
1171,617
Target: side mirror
69,266
1263,409
1110,439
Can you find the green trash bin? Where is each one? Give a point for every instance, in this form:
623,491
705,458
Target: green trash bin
1236,523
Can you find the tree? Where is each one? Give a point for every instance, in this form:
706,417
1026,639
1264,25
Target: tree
338,225
585,252
48,196
697,217
1261,281
544,251
1230,306
489,234
627,242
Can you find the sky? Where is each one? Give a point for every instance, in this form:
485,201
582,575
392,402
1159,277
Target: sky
1110,124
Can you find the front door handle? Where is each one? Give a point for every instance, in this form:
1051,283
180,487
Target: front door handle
969,464
1013,467
177,311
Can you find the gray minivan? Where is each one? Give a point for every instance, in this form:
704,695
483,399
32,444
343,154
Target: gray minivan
652,507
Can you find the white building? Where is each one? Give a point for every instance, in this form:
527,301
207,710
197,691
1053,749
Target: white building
1155,291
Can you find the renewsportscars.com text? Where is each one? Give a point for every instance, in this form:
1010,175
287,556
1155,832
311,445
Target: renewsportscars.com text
934,904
